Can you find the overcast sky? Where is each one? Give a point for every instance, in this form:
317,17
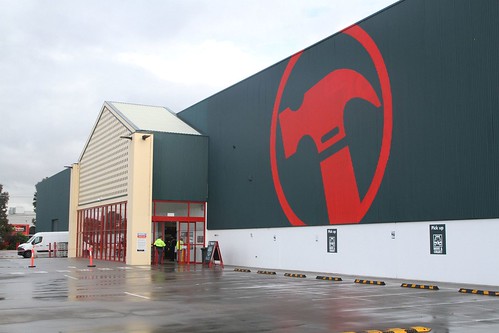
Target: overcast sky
60,60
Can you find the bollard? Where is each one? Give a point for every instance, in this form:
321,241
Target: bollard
32,258
91,264
181,256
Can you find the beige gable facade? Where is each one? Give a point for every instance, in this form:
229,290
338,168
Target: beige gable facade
104,163
111,185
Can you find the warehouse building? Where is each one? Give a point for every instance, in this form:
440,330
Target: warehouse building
373,152
142,174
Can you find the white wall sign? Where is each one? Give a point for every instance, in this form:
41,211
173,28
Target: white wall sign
141,241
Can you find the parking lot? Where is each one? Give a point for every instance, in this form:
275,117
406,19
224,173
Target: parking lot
64,295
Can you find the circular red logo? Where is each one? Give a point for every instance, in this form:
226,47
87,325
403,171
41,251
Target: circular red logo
324,125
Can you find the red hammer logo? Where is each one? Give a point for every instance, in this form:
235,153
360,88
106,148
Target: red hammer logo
321,117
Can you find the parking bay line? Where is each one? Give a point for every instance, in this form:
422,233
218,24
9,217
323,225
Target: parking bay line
475,321
418,305
136,295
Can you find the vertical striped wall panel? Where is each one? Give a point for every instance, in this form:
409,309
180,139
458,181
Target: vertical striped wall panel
104,165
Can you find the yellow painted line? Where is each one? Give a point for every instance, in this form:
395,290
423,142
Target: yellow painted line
368,331
421,329
379,283
419,286
295,275
328,278
414,329
242,270
479,292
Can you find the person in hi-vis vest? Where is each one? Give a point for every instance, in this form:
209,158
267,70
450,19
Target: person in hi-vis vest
180,248
160,246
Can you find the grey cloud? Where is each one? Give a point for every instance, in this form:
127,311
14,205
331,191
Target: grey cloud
58,64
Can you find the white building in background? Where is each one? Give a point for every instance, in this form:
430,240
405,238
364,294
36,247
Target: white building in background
19,216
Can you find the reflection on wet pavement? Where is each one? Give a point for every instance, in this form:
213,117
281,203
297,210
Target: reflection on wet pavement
63,295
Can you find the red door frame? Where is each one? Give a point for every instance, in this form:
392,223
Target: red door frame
103,228
189,220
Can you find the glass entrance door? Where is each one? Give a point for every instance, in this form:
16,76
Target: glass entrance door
168,232
184,219
192,234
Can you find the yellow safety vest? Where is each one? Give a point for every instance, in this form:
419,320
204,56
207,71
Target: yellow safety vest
159,243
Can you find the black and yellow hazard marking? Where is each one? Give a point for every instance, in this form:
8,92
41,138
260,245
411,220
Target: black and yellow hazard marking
419,286
295,275
378,283
479,292
266,272
414,329
328,278
242,270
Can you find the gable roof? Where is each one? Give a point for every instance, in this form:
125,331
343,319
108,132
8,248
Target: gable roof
143,118
150,118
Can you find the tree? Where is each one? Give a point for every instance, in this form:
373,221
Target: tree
34,209
34,201
5,228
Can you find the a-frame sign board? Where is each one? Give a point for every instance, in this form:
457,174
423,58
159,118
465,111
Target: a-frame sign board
213,254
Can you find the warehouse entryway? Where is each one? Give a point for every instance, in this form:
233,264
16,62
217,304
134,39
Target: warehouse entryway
182,226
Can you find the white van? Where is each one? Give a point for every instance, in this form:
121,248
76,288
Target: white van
41,240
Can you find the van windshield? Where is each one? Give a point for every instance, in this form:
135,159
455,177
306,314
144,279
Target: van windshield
31,239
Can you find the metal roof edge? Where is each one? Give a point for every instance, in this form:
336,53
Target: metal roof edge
137,128
120,116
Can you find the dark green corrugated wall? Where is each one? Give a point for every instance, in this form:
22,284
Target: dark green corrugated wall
180,167
441,57
52,202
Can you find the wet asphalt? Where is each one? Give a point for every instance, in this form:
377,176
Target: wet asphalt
64,295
